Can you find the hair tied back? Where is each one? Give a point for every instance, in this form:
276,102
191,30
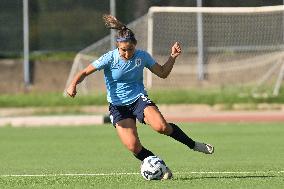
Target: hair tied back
124,28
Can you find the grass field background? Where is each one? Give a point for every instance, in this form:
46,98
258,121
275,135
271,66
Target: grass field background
248,155
226,96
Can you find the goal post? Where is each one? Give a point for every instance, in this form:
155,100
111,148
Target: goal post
241,44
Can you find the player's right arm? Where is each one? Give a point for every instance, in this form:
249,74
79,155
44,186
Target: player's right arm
71,90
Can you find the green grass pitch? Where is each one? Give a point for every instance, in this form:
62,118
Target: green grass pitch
248,155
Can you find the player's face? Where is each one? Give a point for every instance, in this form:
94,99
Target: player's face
126,50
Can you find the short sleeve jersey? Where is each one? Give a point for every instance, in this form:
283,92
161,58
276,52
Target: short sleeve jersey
124,78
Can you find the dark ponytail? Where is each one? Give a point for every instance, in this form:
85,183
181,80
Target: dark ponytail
124,34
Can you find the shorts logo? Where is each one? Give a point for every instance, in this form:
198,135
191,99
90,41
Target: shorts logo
145,99
138,62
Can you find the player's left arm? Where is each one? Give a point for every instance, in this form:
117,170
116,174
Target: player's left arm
163,71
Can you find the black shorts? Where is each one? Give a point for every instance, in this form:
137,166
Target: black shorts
133,111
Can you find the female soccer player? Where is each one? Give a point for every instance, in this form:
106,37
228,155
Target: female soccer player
128,100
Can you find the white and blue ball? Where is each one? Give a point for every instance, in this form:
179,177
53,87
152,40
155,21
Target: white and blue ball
153,168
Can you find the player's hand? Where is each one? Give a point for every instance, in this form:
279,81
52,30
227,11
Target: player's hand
71,91
176,50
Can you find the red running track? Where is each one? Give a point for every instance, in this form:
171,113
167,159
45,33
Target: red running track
228,117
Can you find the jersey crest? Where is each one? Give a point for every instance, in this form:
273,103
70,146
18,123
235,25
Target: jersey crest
138,62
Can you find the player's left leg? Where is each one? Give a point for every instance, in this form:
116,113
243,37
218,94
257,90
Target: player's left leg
155,119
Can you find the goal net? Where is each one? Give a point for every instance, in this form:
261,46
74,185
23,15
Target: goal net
240,48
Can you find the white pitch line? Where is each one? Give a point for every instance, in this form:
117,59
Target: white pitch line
117,174
67,174
233,172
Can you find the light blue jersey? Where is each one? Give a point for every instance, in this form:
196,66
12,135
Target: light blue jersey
124,78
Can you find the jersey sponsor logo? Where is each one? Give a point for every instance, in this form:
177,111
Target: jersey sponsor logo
116,65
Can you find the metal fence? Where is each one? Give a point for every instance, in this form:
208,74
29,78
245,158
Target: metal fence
54,25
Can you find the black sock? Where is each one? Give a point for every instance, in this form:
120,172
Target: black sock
180,136
143,154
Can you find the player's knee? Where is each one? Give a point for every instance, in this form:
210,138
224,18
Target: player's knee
134,147
162,129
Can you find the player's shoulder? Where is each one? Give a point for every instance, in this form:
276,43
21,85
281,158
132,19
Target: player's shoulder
109,55
140,52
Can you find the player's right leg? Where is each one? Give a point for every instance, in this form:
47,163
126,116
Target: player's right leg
125,123
127,132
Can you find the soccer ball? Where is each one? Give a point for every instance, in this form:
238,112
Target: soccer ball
153,168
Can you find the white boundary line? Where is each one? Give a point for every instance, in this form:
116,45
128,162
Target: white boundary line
117,174
68,174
